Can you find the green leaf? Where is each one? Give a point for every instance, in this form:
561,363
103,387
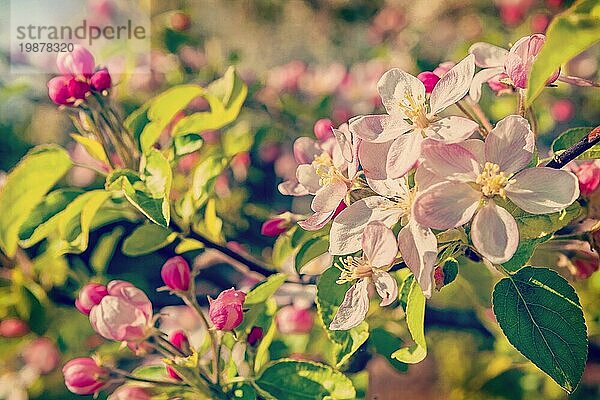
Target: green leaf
540,314
301,380
523,253
581,25
415,319
187,244
571,136
157,174
186,144
93,147
532,226
266,322
149,206
264,290
329,297
26,187
205,176
54,203
310,250
147,238
384,343
105,249
237,139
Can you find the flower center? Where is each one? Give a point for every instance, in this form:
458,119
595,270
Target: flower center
492,181
414,110
327,172
354,268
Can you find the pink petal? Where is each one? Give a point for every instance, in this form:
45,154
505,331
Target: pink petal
450,161
446,205
373,157
329,197
292,188
305,150
451,129
425,177
480,78
344,140
386,286
453,86
487,55
353,309
510,144
403,154
418,247
543,190
379,244
316,221
347,228
494,233
477,148
379,128
394,87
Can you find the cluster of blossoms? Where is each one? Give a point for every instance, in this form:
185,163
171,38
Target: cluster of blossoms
79,78
421,174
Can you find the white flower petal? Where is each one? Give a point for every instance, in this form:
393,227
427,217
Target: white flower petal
418,247
353,309
292,188
308,178
347,228
394,87
451,129
510,144
317,265
403,154
386,286
494,233
344,140
446,205
543,190
329,197
426,177
379,244
477,148
305,150
453,86
316,221
450,161
388,187
379,128
480,78
487,55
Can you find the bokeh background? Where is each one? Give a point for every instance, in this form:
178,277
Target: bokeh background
303,60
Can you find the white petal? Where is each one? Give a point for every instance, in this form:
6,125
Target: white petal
543,190
494,233
379,128
353,309
347,228
308,178
305,150
450,161
386,286
403,154
316,221
418,247
379,244
446,205
329,197
487,55
388,187
510,144
292,188
344,140
477,148
479,79
395,86
453,86
373,159
426,177
451,129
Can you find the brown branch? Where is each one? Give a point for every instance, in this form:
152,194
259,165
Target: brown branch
584,144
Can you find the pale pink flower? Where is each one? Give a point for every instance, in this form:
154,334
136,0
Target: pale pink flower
516,63
379,251
293,319
226,312
326,170
391,146
130,393
462,181
124,314
394,203
79,62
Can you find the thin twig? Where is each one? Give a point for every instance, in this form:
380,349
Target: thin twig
584,144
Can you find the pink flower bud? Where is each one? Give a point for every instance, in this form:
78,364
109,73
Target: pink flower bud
255,335
180,340
521,57
130,393
101,80
225,311
58,90
84,376
172,373
175,274
13,328
41,355
275,226
323,129
124,314
292,319
90,296
585,266
78,89
443,68
588,174
429,79
80,62
438,277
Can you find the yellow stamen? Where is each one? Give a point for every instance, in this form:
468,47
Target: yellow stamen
492,181
354,268
414,110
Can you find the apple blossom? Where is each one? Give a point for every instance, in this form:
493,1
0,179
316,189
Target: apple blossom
90,296
79,62
130,393
379,252
293,319
403,96
464,180
84,376
225,312
393,204
175,274
588,174
124,314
